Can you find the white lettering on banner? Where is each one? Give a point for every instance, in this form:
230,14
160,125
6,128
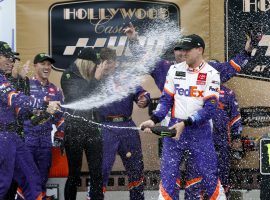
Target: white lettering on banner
259,68
110,13
155,45
256,5
265,41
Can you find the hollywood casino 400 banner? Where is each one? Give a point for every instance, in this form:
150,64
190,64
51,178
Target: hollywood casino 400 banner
241,16
74,25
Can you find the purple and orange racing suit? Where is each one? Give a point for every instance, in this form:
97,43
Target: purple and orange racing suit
15,158
125,142
38,137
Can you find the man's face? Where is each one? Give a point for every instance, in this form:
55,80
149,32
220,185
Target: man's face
43,70
193,55
108,66
6,64
179,55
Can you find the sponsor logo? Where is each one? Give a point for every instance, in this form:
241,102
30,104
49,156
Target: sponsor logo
202,76
215,82
192,91
201,79
213,89
179,73
97,24
200,83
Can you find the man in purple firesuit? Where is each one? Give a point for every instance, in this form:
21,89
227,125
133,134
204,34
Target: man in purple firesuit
37,134
125,142
15,159
226,134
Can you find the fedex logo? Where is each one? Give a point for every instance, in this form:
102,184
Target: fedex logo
213,89
192,91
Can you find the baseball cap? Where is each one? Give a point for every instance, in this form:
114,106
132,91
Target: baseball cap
43,56
189,42
7,51
88,53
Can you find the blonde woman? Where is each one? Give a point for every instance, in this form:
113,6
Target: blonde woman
77,82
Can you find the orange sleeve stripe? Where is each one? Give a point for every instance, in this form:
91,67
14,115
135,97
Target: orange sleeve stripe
10,95
60,122
17,110
164,194
20,193
178,182
168,92
39,197
43,194
237,118
173,110
210,96
216,192
193,181
235,66
135,184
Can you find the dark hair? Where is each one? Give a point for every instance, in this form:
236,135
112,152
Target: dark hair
107,54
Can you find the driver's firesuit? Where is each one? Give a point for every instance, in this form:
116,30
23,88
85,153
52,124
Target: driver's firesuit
125,142
192,94
38,137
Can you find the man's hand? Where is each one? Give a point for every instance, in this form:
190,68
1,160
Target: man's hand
131,32
145,126
179,127
142,101
24,71
53,107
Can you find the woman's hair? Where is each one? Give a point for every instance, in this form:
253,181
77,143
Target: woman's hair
107,54
87,68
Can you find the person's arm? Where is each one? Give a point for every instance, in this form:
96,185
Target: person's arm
229,69
166,100
235,125
15,99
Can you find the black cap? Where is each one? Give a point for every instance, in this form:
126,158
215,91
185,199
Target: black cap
43,56
189,42
88,53
7,51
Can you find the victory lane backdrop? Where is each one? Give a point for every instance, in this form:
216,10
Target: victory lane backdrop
241,17
97,24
